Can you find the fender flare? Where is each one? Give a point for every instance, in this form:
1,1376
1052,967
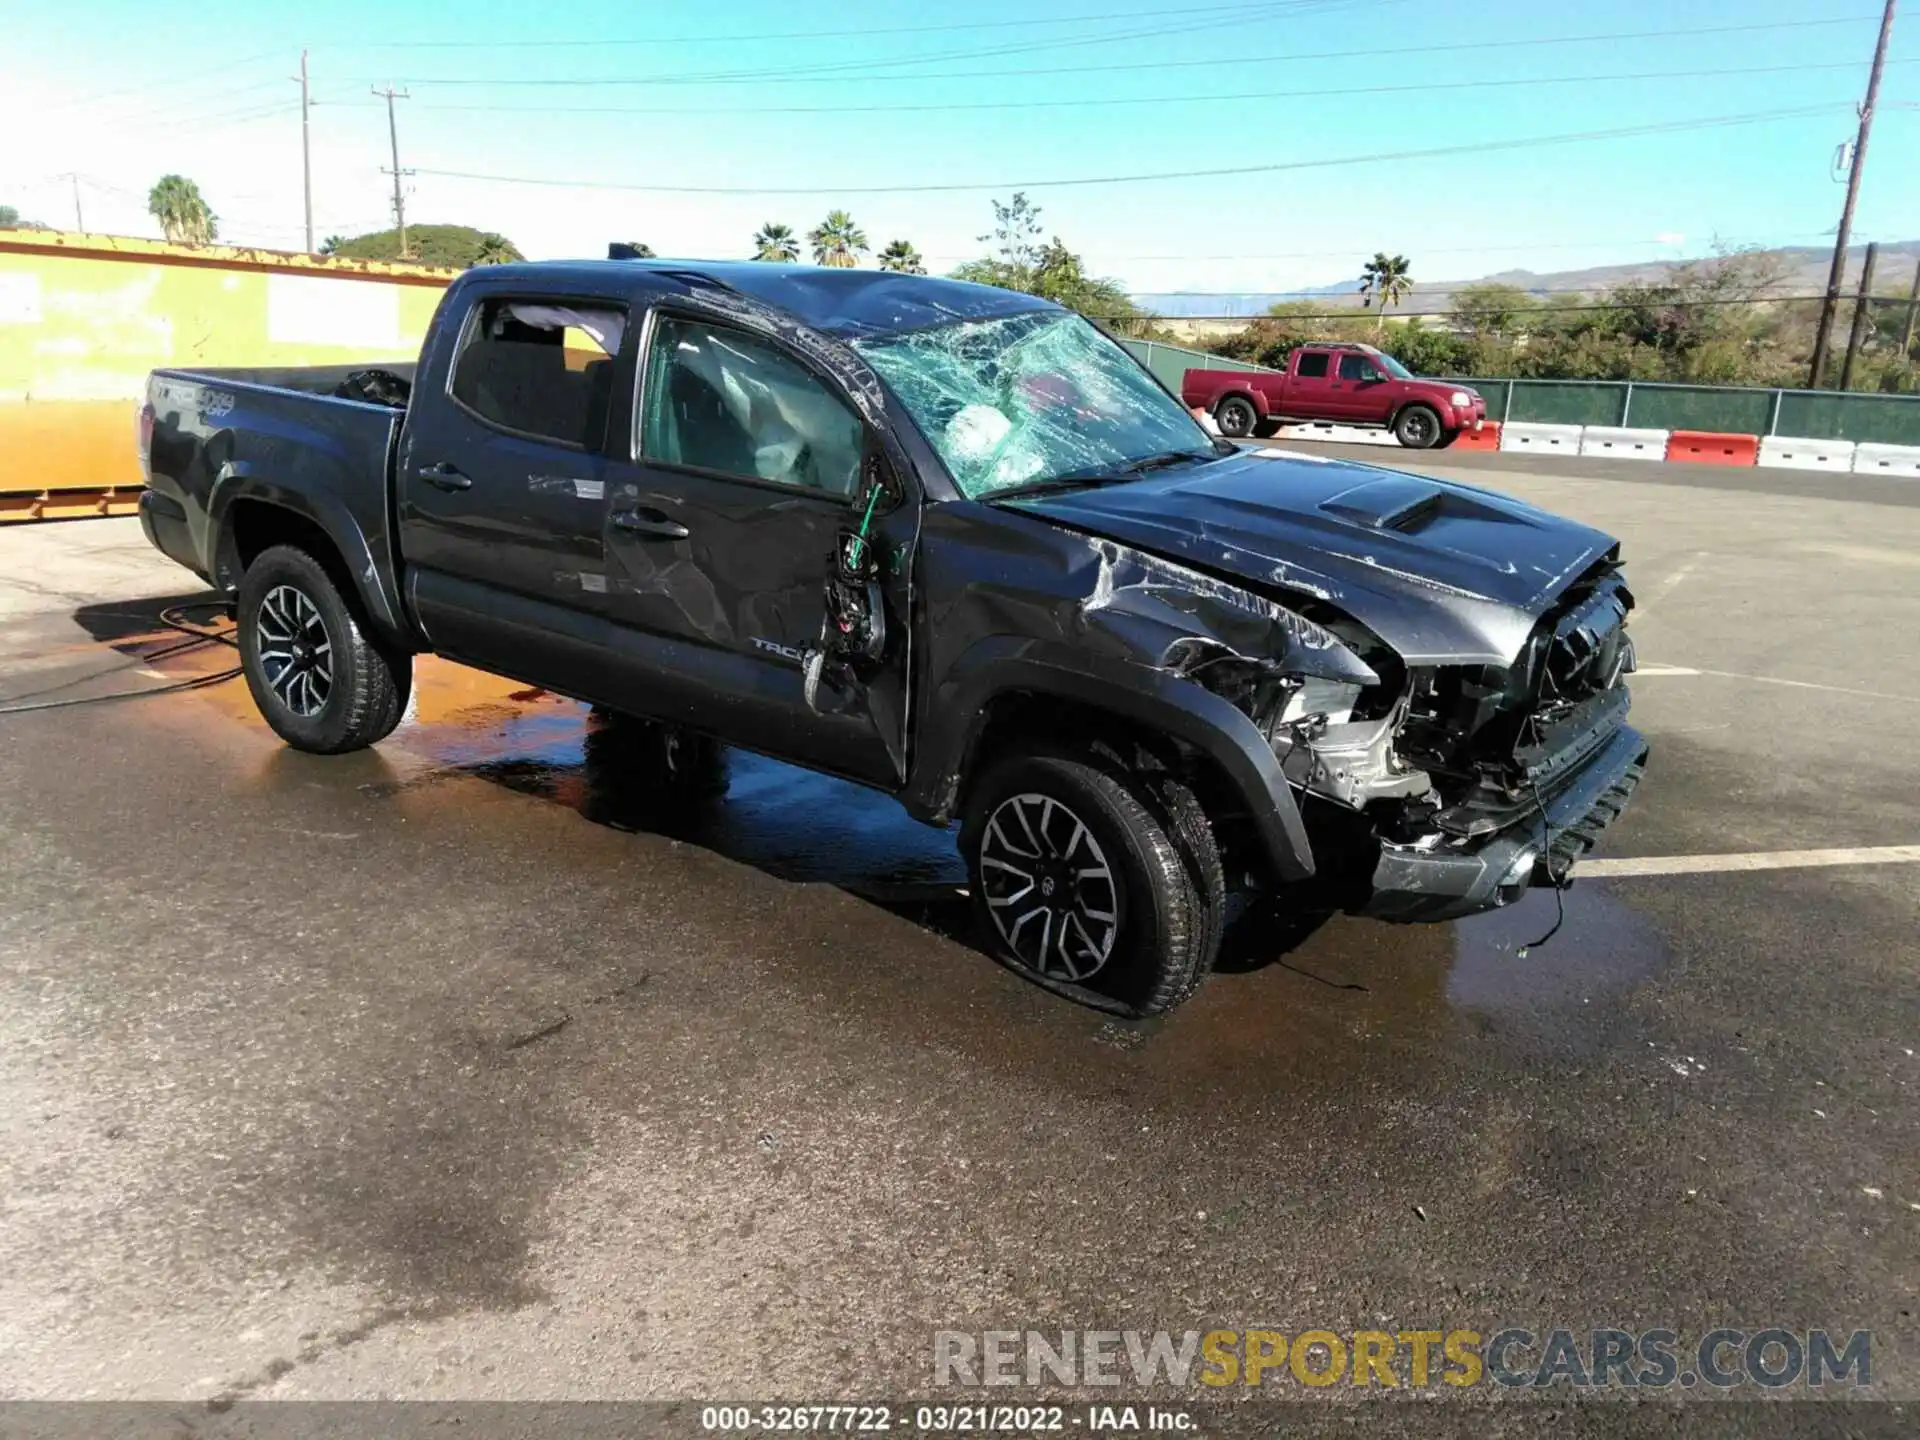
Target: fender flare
372,582
1153,698
1252,397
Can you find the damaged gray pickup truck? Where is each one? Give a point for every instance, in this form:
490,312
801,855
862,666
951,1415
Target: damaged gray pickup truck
944,540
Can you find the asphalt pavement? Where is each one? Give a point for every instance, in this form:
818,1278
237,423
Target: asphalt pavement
470,1068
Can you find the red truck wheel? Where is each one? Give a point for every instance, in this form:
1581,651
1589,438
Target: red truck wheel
1417,428
1236,417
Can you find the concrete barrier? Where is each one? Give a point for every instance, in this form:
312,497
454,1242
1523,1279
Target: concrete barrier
1713,447
1785,452
1621,443
1342,434
1903,460
1550,439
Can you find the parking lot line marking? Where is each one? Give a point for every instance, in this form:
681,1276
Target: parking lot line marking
1655,672
1626,867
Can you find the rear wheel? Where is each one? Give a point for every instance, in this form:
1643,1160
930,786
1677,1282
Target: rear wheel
1417,428
1078,883
1235,416
320,681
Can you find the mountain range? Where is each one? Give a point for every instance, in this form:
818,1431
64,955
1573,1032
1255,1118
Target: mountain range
1806,269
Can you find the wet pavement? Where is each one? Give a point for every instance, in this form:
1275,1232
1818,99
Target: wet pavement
486,1065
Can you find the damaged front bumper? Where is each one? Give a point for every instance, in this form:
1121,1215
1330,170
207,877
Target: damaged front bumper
1436,880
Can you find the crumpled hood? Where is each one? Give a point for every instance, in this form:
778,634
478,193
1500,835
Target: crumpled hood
1443,572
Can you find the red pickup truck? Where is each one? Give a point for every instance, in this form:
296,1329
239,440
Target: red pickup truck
1351,384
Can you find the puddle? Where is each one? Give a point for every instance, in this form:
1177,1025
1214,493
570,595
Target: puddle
789,822
1602,948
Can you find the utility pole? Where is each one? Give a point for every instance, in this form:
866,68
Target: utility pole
306,150
79,220
1837,276
1861,307
1913,310
393,135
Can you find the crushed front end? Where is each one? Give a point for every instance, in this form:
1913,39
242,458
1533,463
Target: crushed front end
1453,788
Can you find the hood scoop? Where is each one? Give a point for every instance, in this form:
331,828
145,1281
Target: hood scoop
1393,502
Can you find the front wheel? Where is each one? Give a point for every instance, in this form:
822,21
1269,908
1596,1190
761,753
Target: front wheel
1236,417
1417,428
321,683
1078,885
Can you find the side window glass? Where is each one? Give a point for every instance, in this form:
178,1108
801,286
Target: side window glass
1354,367
723,401
1312,367
541,368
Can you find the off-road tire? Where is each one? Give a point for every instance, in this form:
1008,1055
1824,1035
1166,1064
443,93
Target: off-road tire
1164,931
1236,417
1185,821
1417,427
367,681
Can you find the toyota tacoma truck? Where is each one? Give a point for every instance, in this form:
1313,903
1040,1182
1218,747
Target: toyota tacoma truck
1348,384
944,540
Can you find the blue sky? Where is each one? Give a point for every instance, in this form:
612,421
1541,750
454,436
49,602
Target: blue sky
863,95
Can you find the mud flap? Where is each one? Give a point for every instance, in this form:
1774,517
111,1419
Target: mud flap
860,661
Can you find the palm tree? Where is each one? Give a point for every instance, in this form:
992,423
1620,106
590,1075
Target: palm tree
837,241
775,242
1386,278
496,250
177,204
900,255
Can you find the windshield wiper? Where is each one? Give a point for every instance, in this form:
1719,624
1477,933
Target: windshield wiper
1165,459
1102,474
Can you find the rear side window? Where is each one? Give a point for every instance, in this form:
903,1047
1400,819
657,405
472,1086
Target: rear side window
726,402
1313,367
1354,367
542,368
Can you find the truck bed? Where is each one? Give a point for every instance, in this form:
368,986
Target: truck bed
281,433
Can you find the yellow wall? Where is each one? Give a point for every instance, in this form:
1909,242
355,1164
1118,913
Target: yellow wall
84,318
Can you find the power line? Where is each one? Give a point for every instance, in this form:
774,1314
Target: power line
1134,100
854,69
605,41
1215,63
1425,153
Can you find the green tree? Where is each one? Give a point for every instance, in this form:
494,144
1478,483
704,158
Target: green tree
901,256
775,243
1491,310
838,241
1386,278
331,245
641,251
498,250
1016,233
456,246
182,211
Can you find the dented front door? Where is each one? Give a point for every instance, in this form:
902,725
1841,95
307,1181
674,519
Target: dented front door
720,539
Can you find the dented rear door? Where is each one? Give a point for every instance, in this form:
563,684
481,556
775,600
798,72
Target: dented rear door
501,489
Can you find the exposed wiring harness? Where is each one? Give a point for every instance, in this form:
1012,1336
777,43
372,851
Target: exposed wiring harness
1546,826
174,618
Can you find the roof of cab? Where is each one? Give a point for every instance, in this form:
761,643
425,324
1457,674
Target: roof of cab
849,303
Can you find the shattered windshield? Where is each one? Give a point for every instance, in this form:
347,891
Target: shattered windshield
1031,399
